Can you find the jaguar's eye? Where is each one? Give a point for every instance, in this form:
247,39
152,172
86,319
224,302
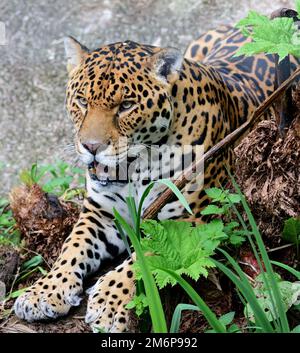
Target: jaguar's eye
82,102
125,106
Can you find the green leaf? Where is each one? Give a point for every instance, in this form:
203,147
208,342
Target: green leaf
234,198
290,291
16,293
269,35
139,303
296,329
180,247
287,268
212,209
236,239
176,192
233,329
226,319
33,262
175,323
155,305
297,6
291,230
214,193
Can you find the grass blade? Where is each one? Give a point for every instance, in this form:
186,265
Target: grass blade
155,305
207,312
287,268
176,318
279,307
248,294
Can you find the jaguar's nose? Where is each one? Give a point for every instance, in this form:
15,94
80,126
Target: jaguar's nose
93,148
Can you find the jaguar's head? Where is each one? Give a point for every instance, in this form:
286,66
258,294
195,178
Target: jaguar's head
119,96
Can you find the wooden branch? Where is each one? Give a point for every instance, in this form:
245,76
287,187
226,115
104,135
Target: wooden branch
183,179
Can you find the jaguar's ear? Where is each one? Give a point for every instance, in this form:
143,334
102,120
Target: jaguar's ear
75,53
167,64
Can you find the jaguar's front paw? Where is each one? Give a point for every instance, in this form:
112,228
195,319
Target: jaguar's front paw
108,298
49,297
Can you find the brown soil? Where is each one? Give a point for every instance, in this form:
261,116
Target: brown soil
268,171
44,220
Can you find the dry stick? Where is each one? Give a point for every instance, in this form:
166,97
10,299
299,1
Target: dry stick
184,177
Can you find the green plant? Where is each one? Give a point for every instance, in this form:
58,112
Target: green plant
291,230
31,266
176,318
146,269
222,197
289,291
179,247
56,178
221,204
140,303
279,35
9,234
167,250
226,320
268,276
134,233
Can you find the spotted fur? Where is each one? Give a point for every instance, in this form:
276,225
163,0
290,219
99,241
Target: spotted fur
127,93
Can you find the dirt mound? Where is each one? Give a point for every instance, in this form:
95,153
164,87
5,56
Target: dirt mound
44,220
268,171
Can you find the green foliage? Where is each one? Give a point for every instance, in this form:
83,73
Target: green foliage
297,6
221,204
296,329
155,306
176,318
289,291
277,36
151,291
139,303
55,178
287,268
59,178
221,197
167,250
31,266
8,232
179,247
270,278
226,320
291,230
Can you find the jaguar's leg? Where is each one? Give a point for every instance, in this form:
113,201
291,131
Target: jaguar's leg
108,298
93,239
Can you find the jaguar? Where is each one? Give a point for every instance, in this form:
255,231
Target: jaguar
124,98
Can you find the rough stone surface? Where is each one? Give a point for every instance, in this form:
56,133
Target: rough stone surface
33,123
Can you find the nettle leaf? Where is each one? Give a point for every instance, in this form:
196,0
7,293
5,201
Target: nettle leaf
290,293
139,303
252,19
278,35
214,193
234,198
180,247
212,209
